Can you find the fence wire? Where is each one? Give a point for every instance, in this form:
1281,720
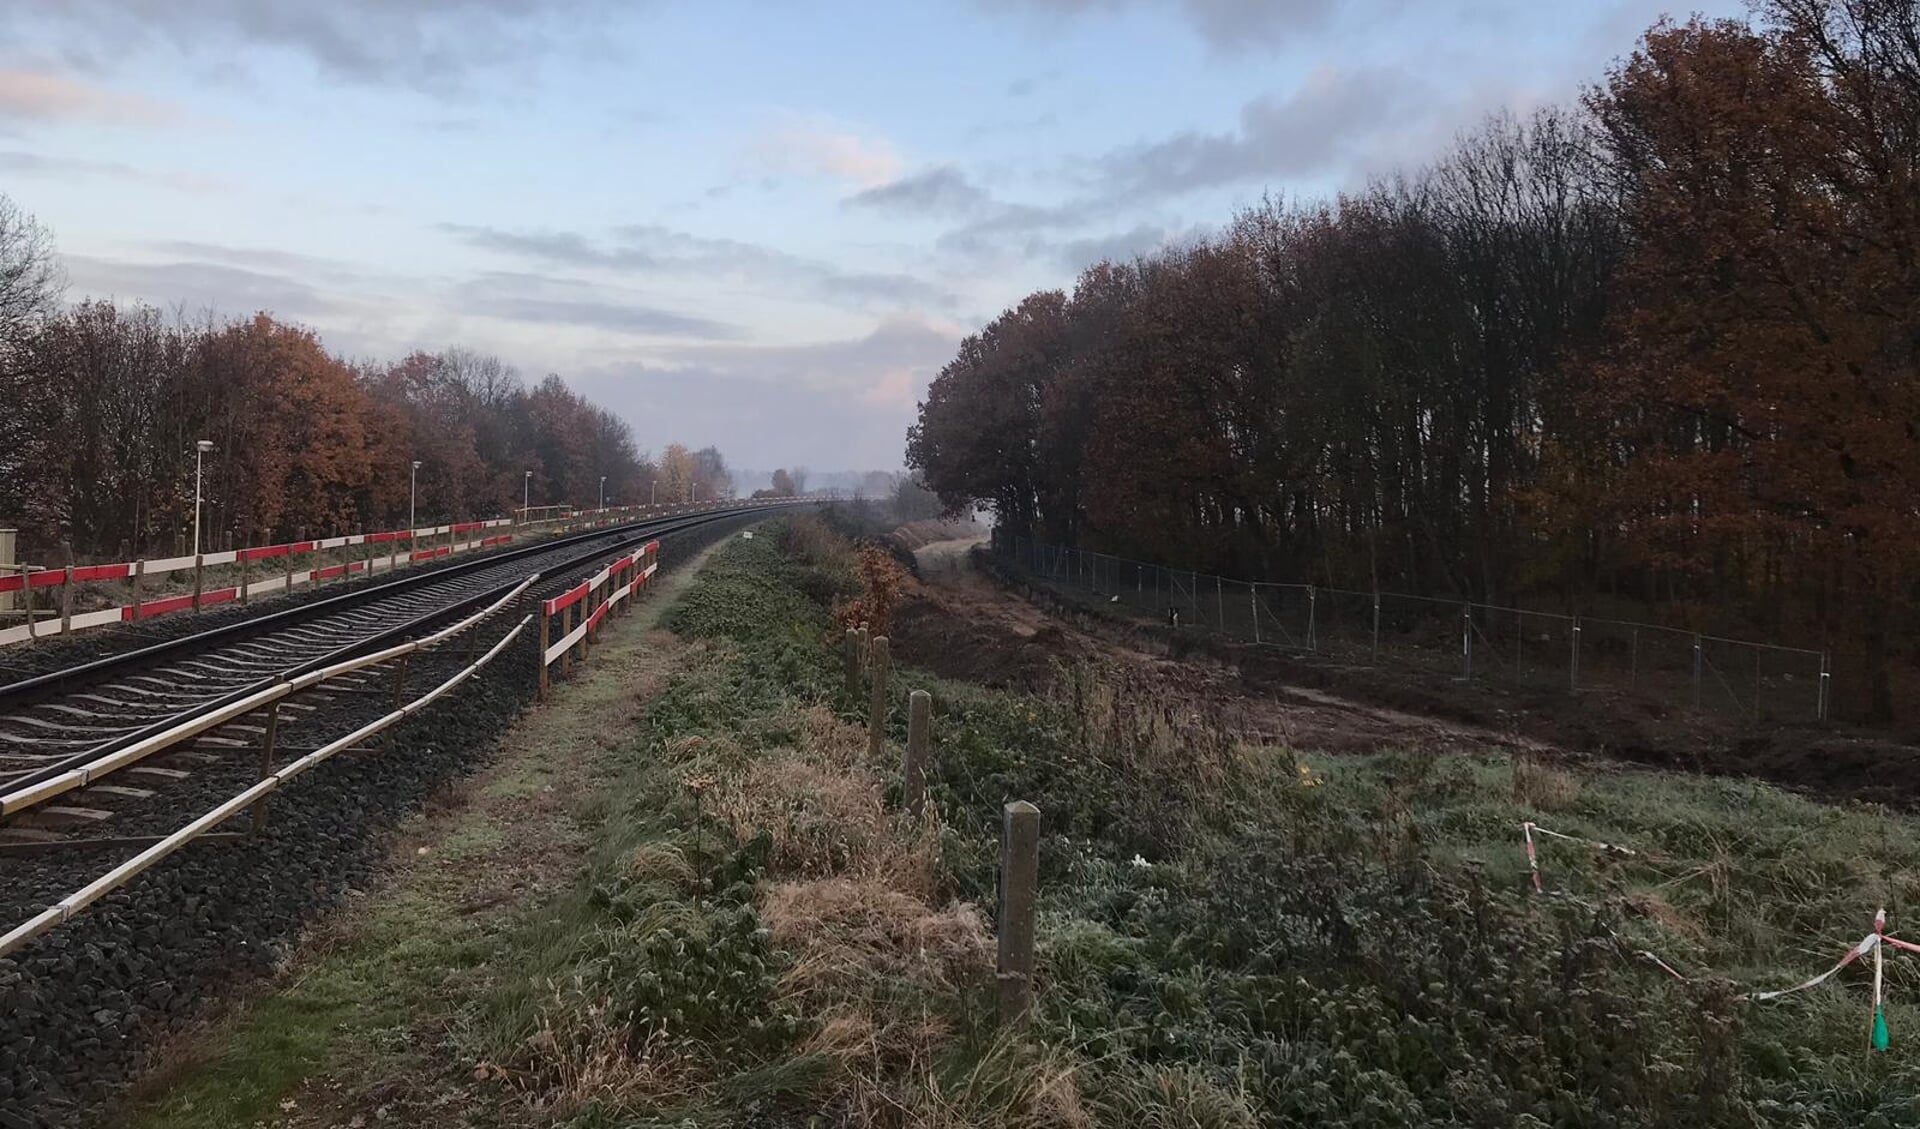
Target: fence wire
1682,670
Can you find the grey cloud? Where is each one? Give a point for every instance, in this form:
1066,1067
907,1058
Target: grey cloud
21,163
1226,25
938,191
426,44
641,320
662,251
836,403
1078,254
539,299
197,286
568,247
1334,117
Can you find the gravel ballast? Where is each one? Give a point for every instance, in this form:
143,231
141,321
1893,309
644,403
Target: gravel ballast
85,1005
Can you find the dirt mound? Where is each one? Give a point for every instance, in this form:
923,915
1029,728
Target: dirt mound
933,635
919,534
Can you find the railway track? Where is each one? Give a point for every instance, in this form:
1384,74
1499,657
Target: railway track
72,770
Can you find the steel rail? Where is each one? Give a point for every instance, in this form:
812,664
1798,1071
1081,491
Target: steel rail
79,776
63,910
15,694
236,703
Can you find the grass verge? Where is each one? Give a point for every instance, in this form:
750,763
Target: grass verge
1232,934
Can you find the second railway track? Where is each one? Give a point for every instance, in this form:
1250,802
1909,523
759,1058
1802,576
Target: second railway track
54,726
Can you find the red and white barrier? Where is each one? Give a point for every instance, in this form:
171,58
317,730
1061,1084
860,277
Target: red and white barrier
401,547
596,597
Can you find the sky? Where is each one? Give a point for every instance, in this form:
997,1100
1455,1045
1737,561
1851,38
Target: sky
759,225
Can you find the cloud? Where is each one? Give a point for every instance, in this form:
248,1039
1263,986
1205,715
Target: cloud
198,286
1077,255
38,96
426,44
944,190
835,403
1334,119
664,253
1225,25
568,247
541,300
21,163
645,321
810,148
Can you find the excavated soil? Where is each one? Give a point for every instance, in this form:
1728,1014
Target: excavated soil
970,617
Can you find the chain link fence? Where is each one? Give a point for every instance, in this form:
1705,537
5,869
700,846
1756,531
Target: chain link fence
1748,681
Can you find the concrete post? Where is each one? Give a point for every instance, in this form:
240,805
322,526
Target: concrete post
199,578
1019,895
913,770
877,706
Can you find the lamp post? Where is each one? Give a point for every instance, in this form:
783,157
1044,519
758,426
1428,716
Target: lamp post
413,483
526,495
603,491
200,449
653,493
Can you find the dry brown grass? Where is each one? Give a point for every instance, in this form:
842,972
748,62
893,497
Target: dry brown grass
1542,787
588,1058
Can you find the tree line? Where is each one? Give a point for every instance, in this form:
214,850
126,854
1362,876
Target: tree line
1653,352
104,404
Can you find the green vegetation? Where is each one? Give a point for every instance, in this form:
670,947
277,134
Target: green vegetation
1231,935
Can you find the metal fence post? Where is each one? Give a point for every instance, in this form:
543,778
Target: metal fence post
1820,703
1253,606
1466,636
1220,602
1376,625
1313,604
1573,678
1633,659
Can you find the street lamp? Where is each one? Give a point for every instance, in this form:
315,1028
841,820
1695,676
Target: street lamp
653,493
603,491
413,482
200,449
526,495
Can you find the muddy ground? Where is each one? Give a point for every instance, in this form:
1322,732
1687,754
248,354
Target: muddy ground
968,617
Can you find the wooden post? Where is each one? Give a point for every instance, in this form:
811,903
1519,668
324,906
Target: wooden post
852,658
545,642
913,771
139,571
566,628
586,613
246,569
1019,895
66,597
877,706
400,678
866,647
266,766
199,578
289,588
